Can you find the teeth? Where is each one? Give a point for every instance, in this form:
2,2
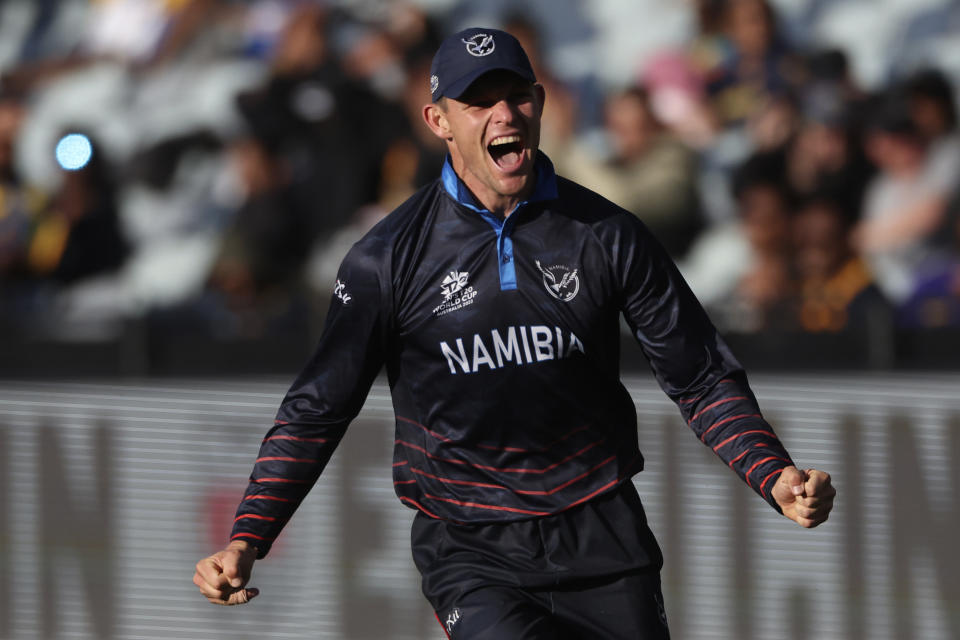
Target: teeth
504,140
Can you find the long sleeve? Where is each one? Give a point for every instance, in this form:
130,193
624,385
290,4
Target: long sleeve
325,397
692,363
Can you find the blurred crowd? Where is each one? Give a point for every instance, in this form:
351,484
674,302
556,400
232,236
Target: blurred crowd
240,148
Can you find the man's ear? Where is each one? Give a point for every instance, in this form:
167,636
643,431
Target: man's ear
436,119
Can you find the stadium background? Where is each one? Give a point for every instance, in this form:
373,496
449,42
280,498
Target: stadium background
155,304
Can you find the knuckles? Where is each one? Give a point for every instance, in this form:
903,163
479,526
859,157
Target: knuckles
813,521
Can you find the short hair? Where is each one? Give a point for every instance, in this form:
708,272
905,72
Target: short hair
891,115
763,170
933,84
827,199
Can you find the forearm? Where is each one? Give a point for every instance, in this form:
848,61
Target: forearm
913,223
728,420
695,367
290,460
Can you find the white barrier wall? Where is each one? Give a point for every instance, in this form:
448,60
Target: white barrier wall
109,493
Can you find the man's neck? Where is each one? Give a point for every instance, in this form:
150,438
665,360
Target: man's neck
498,204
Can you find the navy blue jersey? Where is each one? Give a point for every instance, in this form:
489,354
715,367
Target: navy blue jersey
501,343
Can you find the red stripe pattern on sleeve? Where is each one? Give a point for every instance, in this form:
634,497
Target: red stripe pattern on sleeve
290,461
728,420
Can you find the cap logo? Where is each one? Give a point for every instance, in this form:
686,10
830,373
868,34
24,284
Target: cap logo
434,83
479,45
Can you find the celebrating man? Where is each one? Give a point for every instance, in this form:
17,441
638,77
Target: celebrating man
493,297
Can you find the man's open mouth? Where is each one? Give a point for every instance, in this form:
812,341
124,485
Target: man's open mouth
506,151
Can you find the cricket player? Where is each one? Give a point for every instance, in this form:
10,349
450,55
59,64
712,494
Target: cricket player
493,297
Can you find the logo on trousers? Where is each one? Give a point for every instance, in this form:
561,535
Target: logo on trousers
452,620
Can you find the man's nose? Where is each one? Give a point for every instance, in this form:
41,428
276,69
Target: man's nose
504,111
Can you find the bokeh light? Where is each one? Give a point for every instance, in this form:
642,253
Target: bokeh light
74,151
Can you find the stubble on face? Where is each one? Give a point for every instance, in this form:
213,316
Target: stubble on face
494,136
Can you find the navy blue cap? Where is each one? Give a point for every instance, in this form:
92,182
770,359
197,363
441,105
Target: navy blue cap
468,54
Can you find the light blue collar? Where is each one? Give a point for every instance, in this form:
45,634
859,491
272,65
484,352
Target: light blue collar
545,189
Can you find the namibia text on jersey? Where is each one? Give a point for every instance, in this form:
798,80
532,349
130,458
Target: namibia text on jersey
519,345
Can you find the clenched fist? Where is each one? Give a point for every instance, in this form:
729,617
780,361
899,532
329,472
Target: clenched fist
806,497
222,577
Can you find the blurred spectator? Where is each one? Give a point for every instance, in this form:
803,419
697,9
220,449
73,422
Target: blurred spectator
709,49
905,205
412,160
372,58
826,154
678,99
757,293
267,243
934,302
828,81
412,30
416,155
933,110
747,71
649,172
836,291
20,204
330,130
79,235
147,32
259,139
774,122
330,134
759,62
138,33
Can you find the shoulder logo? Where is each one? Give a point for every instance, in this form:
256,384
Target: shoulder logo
560,281
340,291
480,45
457,293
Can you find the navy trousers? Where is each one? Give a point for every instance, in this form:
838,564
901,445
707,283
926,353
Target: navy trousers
591,572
